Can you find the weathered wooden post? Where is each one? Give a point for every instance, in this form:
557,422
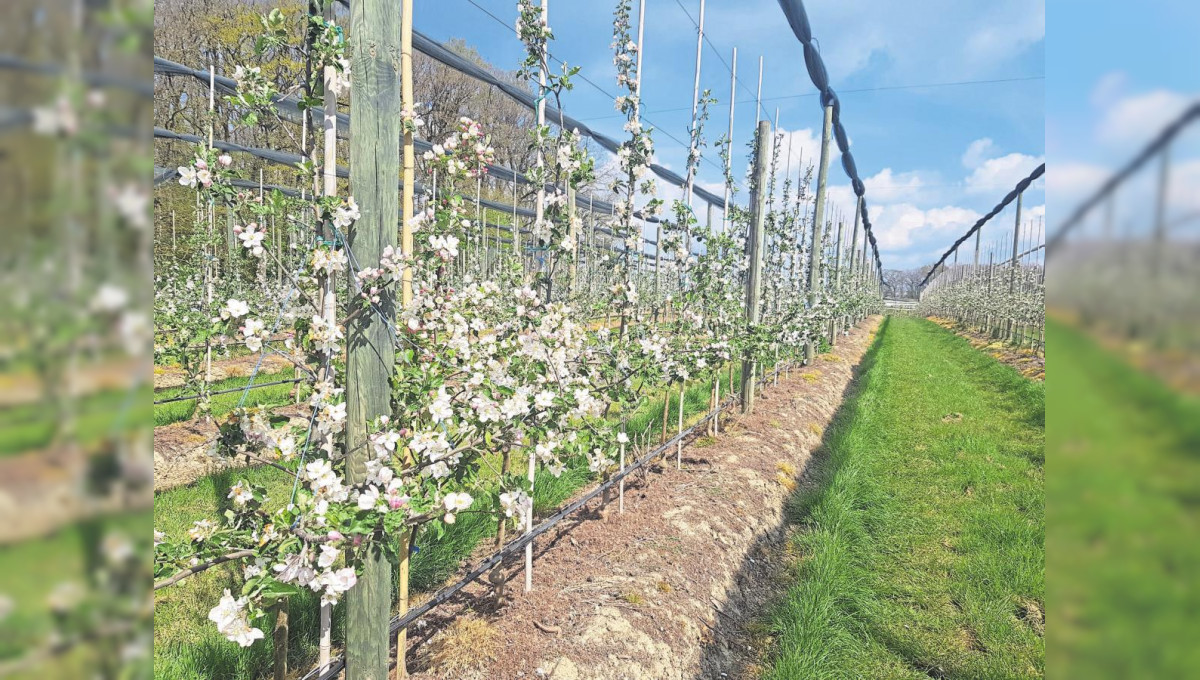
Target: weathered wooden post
279,638
814,263
835,323
374,165
854,252
758,206
1011,323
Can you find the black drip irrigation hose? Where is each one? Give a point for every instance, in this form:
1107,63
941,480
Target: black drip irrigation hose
442,596
229,391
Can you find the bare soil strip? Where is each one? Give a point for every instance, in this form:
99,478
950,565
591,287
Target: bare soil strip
639,595
233,367
186,451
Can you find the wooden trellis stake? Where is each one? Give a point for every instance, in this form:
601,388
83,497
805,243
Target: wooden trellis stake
814,263
375,131
758,203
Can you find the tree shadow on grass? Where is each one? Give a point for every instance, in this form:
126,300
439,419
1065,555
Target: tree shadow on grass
739,640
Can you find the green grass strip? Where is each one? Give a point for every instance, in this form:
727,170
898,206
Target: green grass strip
31,427
919,552
1123,518
178,411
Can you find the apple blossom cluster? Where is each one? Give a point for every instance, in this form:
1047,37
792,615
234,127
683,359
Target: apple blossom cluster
254,90
635,154
466,151
57,120
328,48
411,119
535,33
569,166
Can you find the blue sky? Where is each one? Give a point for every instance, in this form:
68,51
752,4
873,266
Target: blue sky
933,158
1119,74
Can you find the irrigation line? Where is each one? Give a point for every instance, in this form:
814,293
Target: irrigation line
442,596
229,391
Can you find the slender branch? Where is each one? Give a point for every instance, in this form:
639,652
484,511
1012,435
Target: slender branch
204,566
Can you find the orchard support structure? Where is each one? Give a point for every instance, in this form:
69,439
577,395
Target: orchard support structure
374,166
814,263
754,245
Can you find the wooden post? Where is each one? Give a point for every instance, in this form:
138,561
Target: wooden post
279,637
854,249
230,243
814,262
758,97
621,484
407,211
834,324
374,165
480,246
679,442
1011,324
758,204
658,237
516,231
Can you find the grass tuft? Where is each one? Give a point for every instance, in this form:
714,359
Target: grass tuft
466,645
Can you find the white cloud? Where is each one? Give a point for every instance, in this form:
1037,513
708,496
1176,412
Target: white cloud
1137,118
887,186
903,225
999,175
995,41
858,34
978,151
1109,88
804,148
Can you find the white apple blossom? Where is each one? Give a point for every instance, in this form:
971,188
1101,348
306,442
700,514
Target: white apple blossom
230,617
